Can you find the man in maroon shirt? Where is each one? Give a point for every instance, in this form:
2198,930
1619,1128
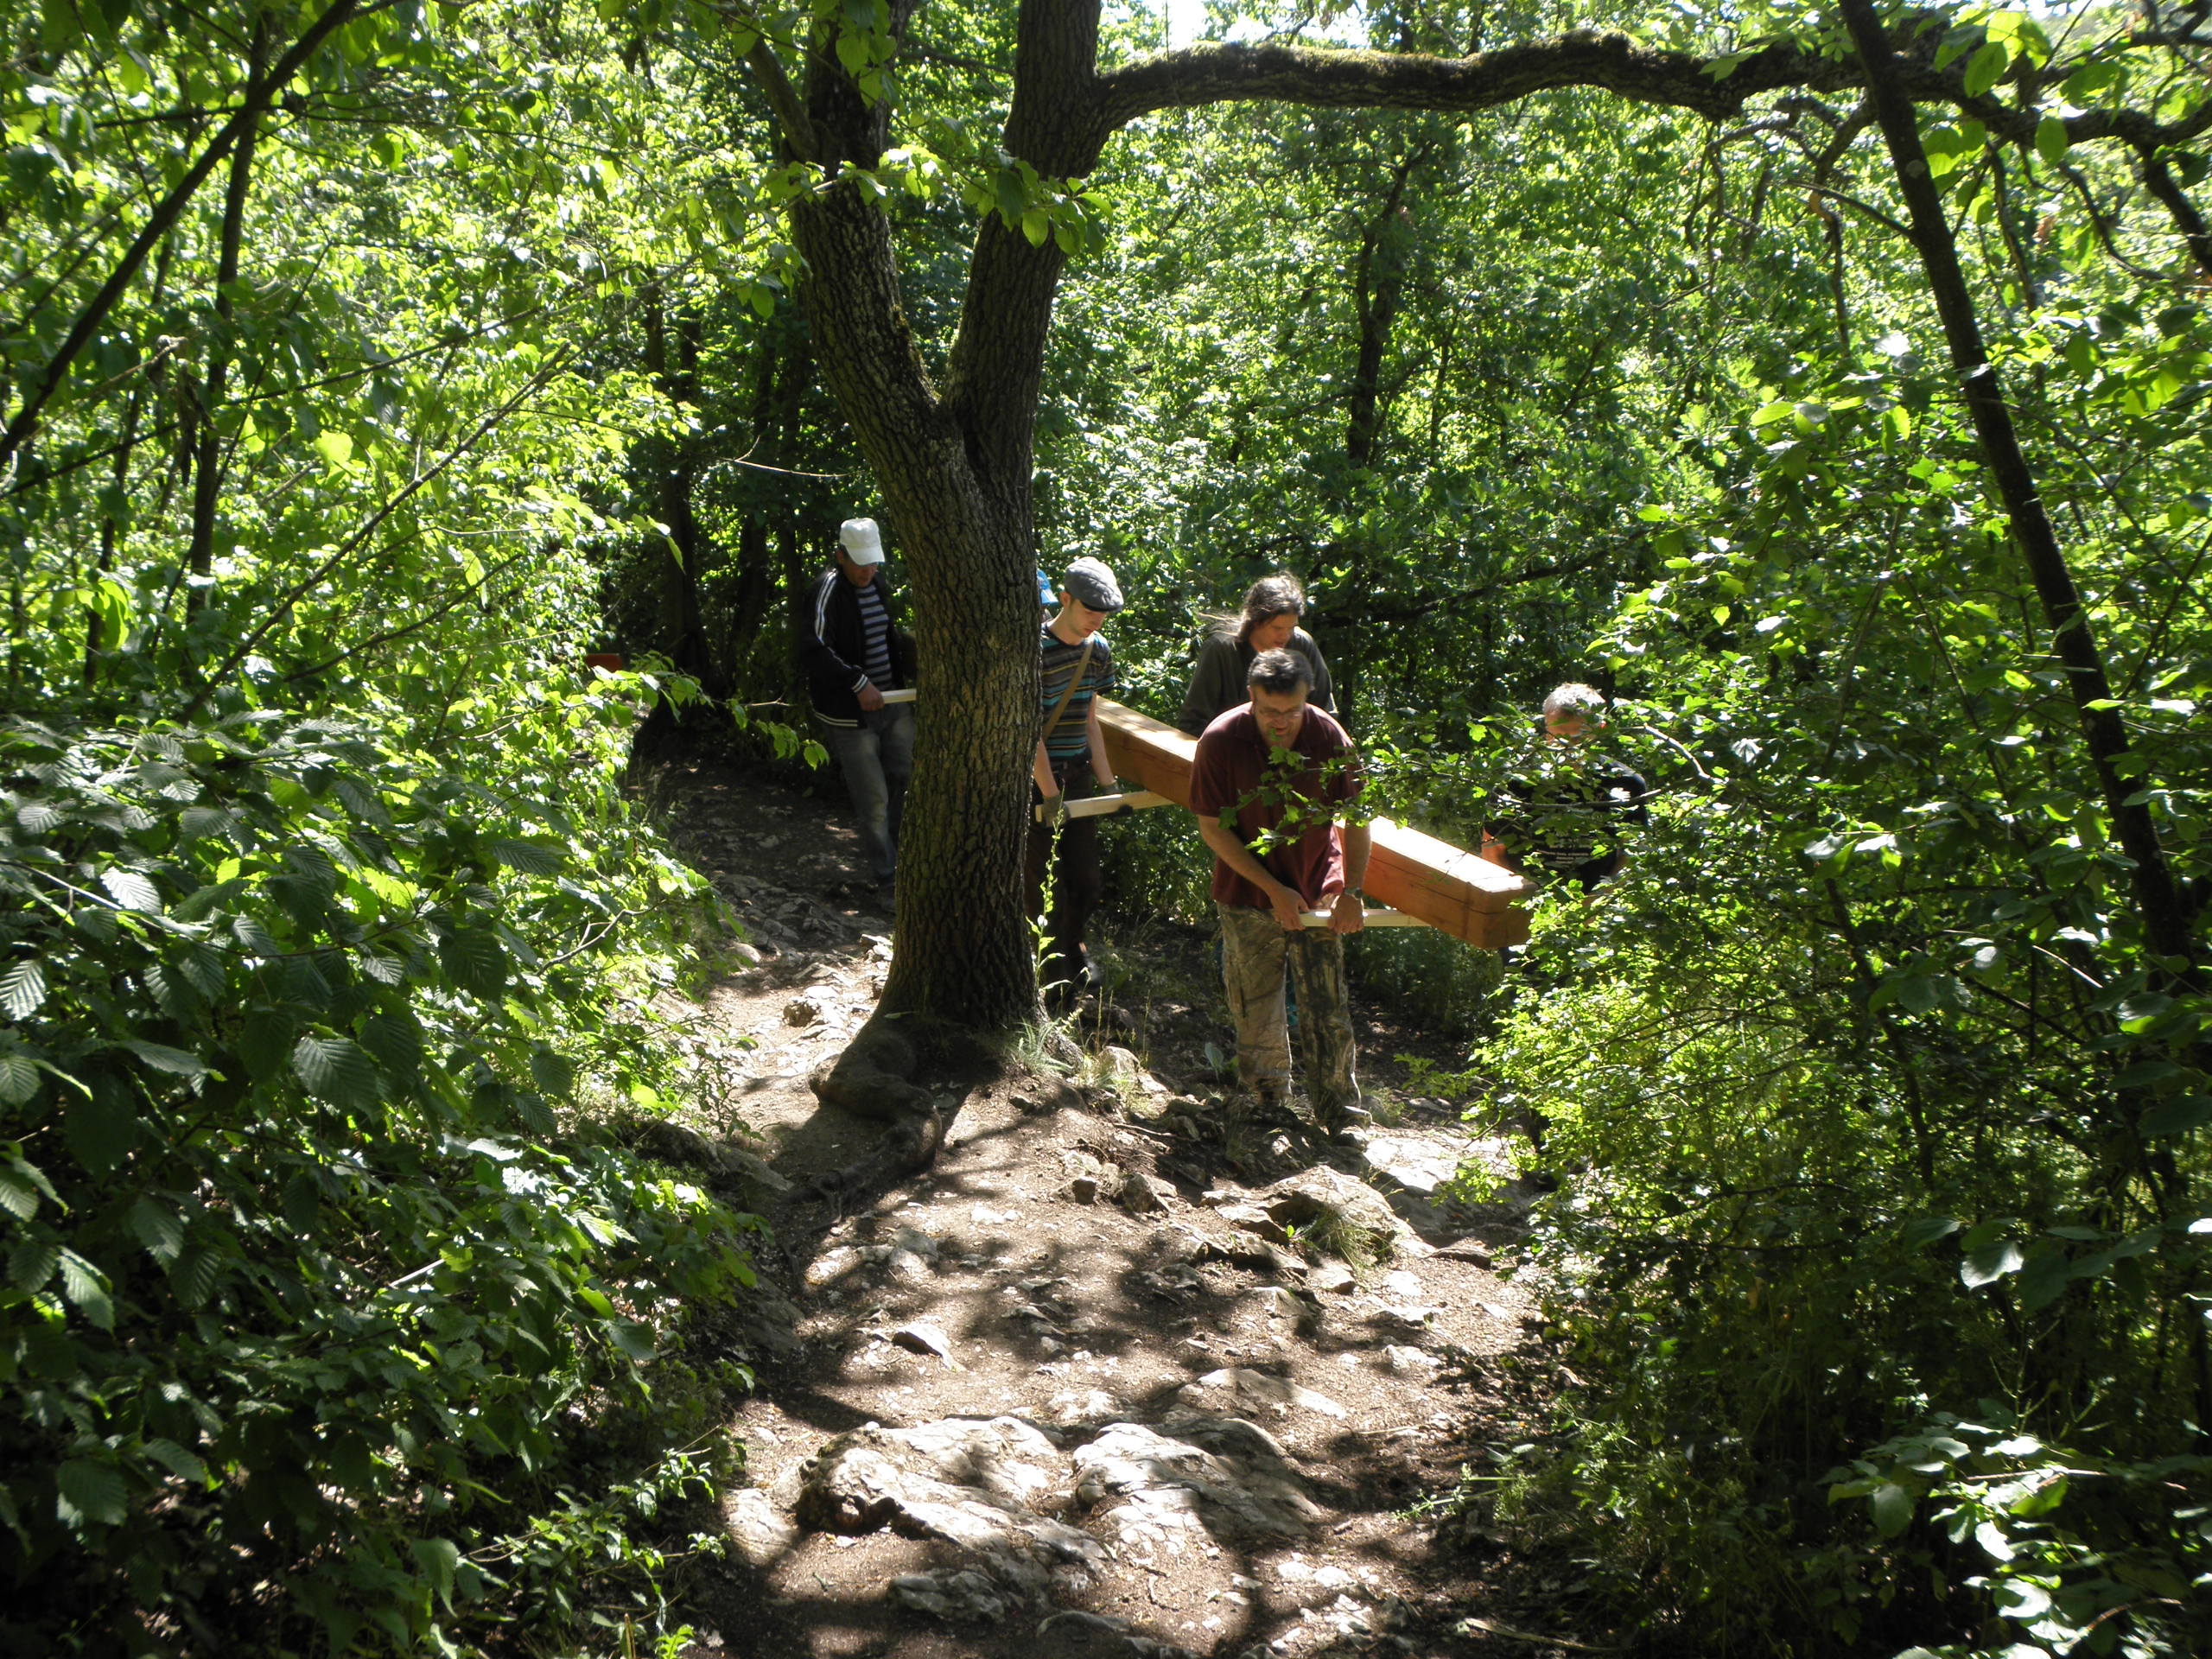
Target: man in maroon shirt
1269,781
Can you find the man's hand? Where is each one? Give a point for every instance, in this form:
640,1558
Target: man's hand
1348,914
870,699
1289,909
1053,811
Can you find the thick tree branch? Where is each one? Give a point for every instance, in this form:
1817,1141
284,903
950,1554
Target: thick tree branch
1213,73
2162,184
1336,79
782,97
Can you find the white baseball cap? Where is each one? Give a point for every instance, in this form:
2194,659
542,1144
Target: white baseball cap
862,543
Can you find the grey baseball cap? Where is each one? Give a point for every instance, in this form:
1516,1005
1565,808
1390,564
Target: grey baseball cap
1091,581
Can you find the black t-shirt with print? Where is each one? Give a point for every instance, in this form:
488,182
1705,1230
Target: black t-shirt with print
1559,814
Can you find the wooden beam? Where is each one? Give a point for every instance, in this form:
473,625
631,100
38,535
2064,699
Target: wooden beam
1447,886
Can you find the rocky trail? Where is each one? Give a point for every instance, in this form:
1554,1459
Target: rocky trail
1087,1385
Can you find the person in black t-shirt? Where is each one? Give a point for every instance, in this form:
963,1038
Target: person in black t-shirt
1558,816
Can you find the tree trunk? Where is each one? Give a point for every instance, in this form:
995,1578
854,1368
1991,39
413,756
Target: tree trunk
207,466
676,574
955,472
2165,924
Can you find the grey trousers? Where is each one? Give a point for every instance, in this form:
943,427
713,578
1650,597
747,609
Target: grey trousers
875,758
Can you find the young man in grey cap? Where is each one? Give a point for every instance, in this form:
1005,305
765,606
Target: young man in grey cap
852,655
1078,668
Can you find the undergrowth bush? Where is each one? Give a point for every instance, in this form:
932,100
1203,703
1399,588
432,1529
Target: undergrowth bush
1812,1404
331,1304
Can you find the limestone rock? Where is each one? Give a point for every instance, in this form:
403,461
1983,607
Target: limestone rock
1191,1478
756,1526
1333,1277
962,1596
922,1338
965,1481
1144,1195
1089,1178
1121,1063
1094,1635
1322,1202
1238,1386
1082,1408
1411,1362
830,1266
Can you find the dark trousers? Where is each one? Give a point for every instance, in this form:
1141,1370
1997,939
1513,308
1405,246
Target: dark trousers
1078,886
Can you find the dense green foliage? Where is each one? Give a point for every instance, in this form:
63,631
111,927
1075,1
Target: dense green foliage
345,408
336,1313
1880,1253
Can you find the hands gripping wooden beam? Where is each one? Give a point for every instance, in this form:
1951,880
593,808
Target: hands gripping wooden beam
1421,878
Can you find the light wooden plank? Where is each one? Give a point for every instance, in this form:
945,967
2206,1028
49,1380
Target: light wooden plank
1432,880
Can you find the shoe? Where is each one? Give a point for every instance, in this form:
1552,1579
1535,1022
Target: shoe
1346,1125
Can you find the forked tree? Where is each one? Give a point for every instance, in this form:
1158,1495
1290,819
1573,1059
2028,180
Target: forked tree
953,454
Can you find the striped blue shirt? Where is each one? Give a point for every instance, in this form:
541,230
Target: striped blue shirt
1071,739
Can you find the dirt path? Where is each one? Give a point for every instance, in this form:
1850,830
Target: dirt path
1085,1386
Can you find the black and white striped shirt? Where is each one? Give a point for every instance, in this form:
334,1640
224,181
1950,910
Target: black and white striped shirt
875,632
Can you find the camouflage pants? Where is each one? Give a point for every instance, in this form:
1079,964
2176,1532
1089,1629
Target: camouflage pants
1254,951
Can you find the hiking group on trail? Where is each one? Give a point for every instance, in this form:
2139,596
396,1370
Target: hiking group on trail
1275,785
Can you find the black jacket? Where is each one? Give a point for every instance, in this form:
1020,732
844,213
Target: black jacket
830,649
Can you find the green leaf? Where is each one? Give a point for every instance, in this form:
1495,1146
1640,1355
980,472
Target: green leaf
2178,1115
32,1262
1892,1507
852,52
2138,1013
335,1069
266,1039
184,1465
18,1196
2051,139
101,1126
336,448
90,1493
396,1041
163,1058
194,1274
302,1203
534,857
1990,1263
86,1286
474,960
1926,1230
18,1079
132,891
438,1557
1036,226
1985,67
23,988
553,1073
159,1227
2017,1599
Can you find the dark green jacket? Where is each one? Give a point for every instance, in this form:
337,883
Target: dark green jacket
1217,679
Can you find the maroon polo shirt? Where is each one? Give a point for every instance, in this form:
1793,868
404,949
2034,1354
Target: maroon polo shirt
1233,774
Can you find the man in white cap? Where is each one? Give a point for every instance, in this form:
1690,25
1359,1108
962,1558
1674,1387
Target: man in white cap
852,655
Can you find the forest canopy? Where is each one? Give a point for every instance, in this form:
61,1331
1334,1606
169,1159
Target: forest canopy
1826,383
